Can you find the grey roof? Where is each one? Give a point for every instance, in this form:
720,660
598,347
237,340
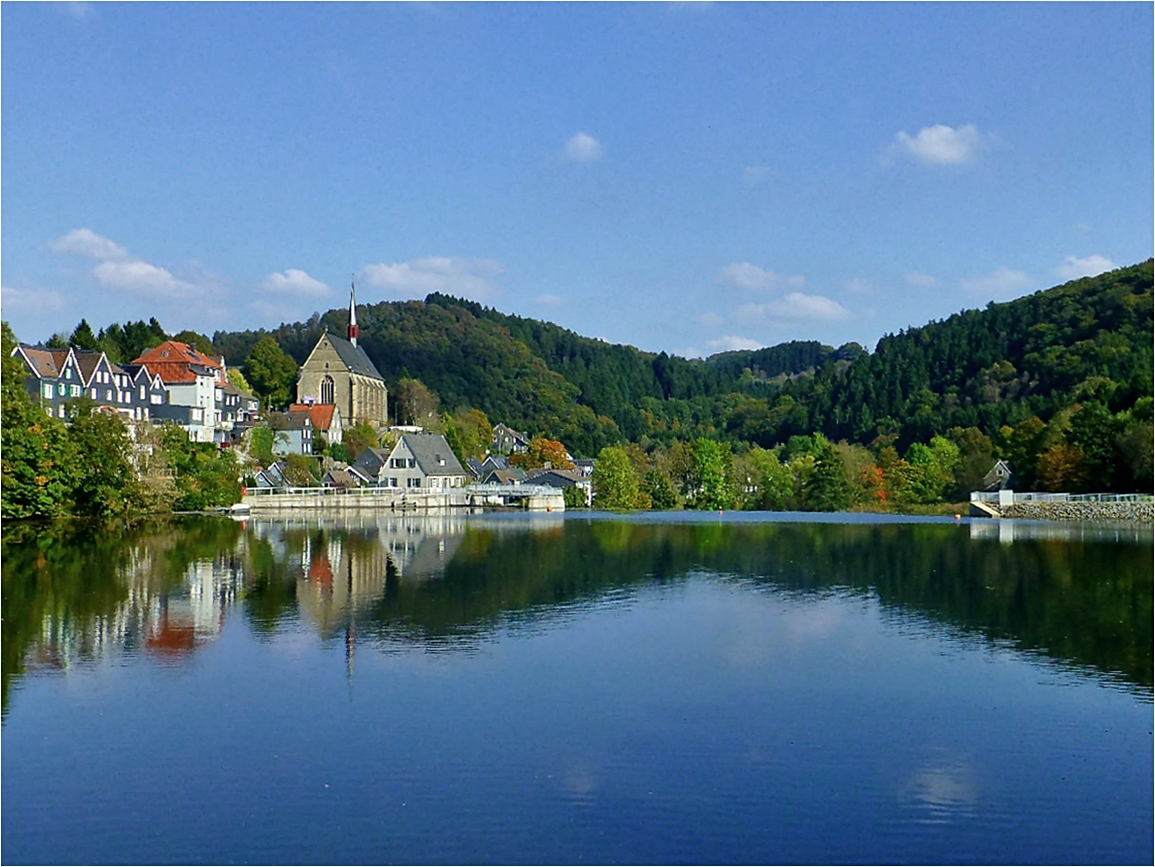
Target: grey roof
556,478
354,357
88,360
371,460
340,478
298,420
505,477
433,454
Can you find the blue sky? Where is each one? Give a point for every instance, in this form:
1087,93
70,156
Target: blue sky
686,177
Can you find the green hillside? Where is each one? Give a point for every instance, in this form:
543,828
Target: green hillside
1090,339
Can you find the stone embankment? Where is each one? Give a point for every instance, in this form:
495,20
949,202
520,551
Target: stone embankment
1080,511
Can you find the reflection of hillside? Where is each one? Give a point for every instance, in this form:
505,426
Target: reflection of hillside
75,594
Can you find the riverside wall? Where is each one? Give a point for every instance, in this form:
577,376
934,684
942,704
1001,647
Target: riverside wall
1140,513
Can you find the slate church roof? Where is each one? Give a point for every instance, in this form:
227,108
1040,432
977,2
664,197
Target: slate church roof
354,357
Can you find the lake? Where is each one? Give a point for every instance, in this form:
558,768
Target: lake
685,688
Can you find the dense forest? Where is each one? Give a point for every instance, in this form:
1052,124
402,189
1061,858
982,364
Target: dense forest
1038,357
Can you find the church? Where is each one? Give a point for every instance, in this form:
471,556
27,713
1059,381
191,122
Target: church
338,371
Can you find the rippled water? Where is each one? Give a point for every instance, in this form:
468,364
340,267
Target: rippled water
499,689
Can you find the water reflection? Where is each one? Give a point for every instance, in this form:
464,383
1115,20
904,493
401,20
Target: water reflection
77,595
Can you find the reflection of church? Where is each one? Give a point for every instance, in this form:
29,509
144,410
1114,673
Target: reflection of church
345,569
339,372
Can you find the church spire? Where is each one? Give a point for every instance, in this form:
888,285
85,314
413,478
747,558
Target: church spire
352,313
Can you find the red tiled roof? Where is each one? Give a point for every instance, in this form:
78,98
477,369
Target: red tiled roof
171,362
321,414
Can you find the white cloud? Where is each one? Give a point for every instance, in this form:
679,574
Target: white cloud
859,286
551,300
1073,268
140,278
745,275
30,300
923,281
709,319
295,282
796,305
85,242
450,275
731,343
942,145
1000,285
582,148
79,10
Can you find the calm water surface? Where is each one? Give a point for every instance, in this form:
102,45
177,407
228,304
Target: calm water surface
746,689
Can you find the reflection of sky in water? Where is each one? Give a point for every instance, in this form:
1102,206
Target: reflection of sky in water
942,789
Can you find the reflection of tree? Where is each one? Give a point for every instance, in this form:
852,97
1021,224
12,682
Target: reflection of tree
74,589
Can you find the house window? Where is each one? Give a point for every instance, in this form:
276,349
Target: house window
413,483
93,393
60,389
61,411
75,390
327,390
142,392
393,482
412,463
108,394
46,389
68,373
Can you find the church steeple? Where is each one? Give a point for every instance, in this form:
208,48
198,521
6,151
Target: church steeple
352,313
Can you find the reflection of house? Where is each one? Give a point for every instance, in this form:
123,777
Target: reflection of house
1000,477
339,372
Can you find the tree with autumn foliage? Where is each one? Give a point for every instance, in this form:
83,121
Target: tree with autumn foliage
542,451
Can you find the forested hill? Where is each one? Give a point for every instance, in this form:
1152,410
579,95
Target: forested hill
538,376
1035,356
1089,339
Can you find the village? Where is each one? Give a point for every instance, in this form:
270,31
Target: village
338,389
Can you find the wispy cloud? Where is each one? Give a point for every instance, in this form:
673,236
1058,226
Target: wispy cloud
1000,285
551,300
859,286
140,278
1073,268
581,148
469,278
709,319
295,282
31,300
733,342
86,243
79,10
795,306
942,145
922,281
745,275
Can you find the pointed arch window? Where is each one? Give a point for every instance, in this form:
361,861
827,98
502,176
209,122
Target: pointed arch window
327,389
